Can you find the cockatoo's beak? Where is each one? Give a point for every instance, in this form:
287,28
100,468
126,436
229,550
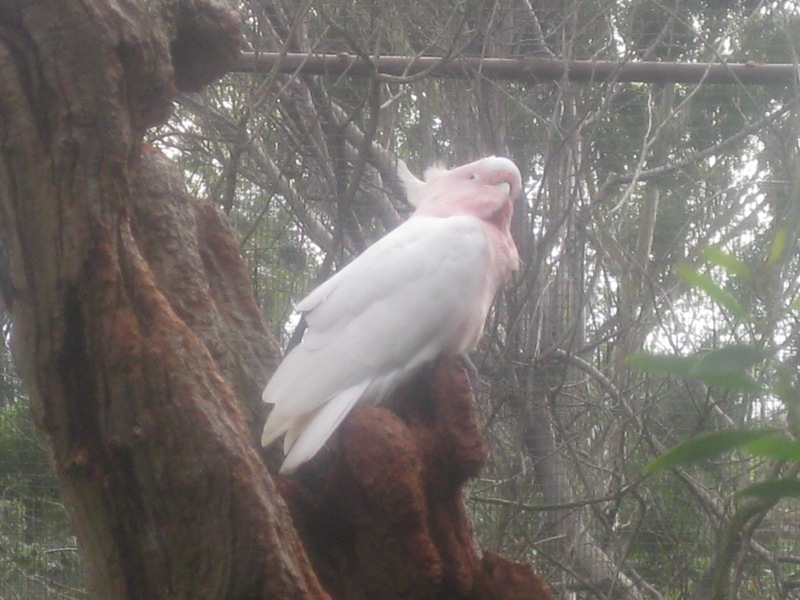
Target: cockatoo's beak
505,186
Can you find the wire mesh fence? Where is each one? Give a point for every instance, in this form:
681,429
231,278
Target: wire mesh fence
622,182
39,557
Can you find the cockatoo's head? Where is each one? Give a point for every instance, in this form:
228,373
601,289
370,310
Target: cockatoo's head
484,188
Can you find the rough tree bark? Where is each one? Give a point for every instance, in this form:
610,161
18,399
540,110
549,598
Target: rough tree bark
132,344
381,510
135,329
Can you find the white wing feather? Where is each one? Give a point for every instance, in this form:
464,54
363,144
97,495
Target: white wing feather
303,443
400,304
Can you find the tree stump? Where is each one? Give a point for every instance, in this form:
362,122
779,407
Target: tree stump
380,509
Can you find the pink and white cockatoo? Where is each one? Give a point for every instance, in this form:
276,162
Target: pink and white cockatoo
421,292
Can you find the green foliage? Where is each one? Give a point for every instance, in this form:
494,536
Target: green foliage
778,246
708,445
730,263
724,367
774,446
774,489
705,283
752,361
729,367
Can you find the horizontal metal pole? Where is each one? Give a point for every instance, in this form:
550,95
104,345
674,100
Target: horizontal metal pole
532,70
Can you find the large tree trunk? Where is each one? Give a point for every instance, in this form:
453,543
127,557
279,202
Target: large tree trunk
135,328
132,325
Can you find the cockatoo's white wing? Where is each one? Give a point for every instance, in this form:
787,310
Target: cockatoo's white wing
400,304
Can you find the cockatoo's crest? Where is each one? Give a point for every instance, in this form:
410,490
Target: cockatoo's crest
412,184
433,172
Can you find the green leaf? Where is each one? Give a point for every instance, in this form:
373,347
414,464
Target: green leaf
737,382
722,368
705,446
668,364
784,386
716,293
728,359
778,246
731,264
774,489
775,446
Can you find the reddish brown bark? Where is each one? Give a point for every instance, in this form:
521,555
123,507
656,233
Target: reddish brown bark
205,280
381,512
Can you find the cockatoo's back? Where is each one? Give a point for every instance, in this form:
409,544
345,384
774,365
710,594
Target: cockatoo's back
422,291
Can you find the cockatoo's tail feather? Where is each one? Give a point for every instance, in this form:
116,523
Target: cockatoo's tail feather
422,291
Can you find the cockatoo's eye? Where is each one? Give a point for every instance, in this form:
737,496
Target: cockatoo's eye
472,176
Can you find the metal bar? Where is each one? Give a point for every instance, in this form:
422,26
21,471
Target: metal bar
531,70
